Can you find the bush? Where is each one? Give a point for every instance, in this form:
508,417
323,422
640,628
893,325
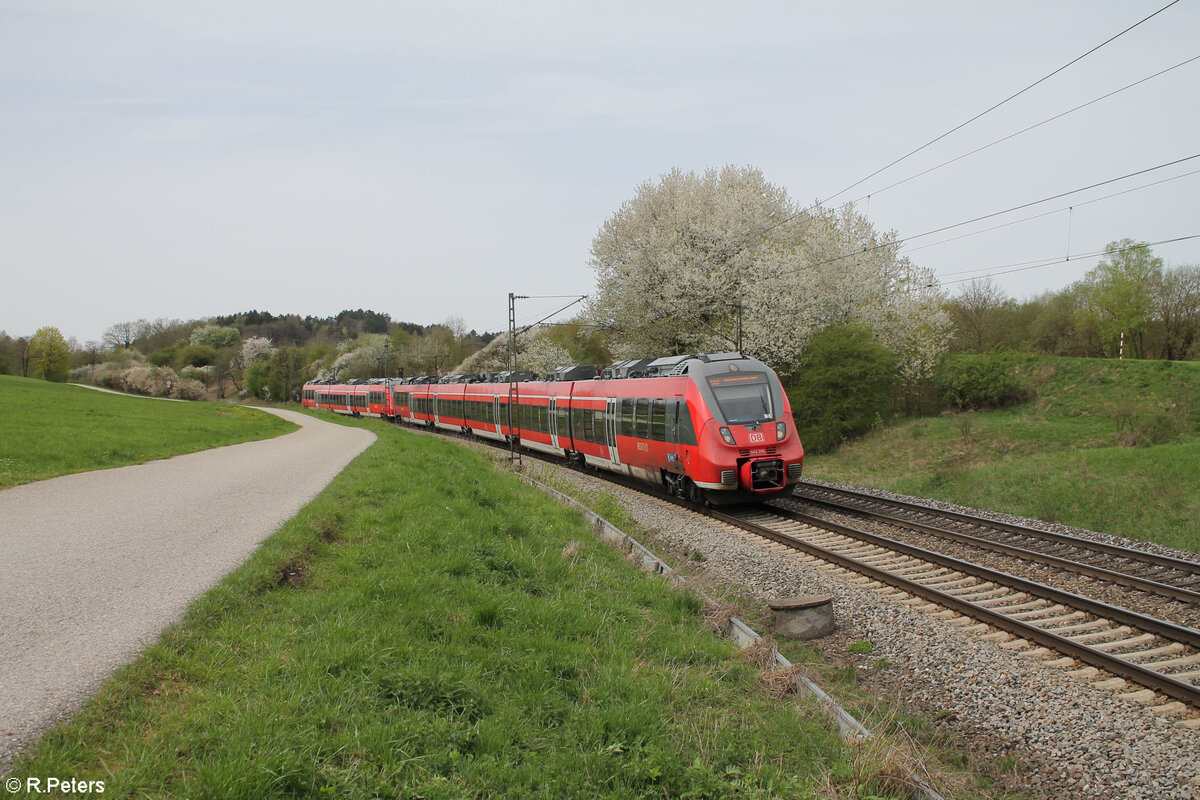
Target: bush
163,357
195,355
257,376
107,375
977,382
152,381
201,374
843,387
1150,428
190,390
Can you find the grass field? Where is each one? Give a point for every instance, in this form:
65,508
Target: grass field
50,429
430,627
1112,446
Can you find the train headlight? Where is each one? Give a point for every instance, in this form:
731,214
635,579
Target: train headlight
780,431
727,435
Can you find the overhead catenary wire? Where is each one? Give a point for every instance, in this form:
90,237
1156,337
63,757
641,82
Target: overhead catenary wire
1022,266
907,250
1003,139
752,237
577,299
895,242
984,113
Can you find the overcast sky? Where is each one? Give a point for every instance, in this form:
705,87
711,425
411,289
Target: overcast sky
162,158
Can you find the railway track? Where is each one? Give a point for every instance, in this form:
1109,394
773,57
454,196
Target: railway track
1138,570
1050,624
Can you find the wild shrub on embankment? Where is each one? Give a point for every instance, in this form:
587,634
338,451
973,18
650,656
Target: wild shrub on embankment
992,380
843,386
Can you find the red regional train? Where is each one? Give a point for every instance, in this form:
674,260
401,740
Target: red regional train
715,427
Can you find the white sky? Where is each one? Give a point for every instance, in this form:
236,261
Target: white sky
162,158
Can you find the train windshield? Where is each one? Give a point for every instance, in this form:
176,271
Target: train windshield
743,397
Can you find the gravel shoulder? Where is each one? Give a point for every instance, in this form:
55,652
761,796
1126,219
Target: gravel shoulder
96,564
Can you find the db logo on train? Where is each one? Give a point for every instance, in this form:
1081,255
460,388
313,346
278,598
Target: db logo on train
756,438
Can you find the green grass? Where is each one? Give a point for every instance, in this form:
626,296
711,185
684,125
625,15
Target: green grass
50,429
1107,445
429,627
901,737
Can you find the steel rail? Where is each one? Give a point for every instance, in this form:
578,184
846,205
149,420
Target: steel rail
1112,576
1180,564
1158,681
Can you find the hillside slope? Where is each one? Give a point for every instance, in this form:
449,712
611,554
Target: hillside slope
1113,446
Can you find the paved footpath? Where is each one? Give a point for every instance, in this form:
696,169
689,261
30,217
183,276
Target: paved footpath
94,565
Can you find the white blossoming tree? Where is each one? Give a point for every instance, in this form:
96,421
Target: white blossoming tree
256,348
364,357
701,262
541,355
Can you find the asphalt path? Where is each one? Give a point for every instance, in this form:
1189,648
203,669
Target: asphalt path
94,565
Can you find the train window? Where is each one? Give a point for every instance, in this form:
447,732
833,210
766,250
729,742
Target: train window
626,428
583,424
642,418
743,397
564,422
658,420
685,432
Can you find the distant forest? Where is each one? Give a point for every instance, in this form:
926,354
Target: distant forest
248,353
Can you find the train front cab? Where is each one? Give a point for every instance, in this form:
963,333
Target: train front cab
748,444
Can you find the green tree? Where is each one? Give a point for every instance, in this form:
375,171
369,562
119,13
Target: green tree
195,355
844,385
216,337
974,312
49,354
584,342
1177,305
1119,295
8,354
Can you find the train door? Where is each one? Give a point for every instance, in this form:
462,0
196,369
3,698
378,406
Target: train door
496,413
554,422
677,424
611,420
